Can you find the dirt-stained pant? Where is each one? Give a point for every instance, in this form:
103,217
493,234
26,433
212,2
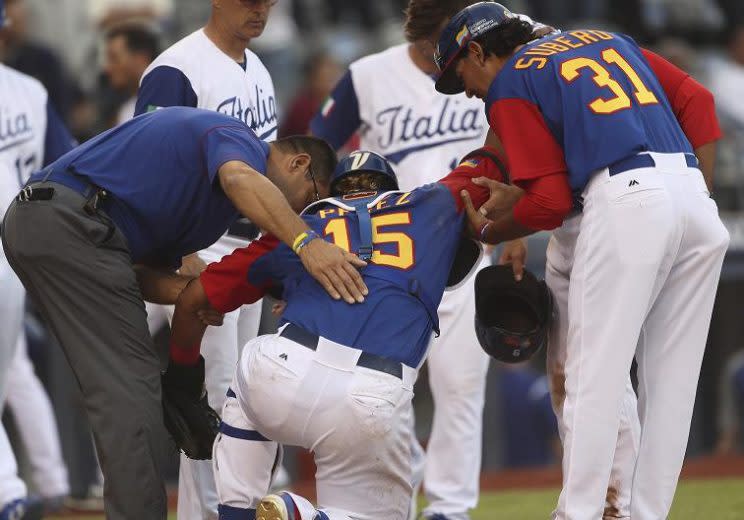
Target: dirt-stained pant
354,419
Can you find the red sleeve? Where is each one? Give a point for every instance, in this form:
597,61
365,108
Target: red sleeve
546,202
530,147
226,282
692,104
475,165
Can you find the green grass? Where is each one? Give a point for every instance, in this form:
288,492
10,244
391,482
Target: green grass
695,500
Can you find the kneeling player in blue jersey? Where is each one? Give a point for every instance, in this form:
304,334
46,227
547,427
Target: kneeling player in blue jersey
337,379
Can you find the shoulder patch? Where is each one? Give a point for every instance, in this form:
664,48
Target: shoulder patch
470,163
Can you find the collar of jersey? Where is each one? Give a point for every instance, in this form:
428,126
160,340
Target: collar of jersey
337,202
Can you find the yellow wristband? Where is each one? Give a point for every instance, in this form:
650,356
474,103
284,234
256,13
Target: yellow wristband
297,241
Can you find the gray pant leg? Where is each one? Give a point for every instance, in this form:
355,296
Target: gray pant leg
81,277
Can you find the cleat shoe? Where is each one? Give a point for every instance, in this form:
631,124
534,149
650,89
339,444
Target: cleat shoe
277,507
14,510
22,509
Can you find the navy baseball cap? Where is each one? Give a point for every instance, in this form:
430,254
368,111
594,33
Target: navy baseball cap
2,13
469,23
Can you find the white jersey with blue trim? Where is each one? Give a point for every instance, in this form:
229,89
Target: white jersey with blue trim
23,126
195,72
222,85
422,132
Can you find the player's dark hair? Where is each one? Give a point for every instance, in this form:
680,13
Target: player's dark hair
424,18
323,158
503,40
138,37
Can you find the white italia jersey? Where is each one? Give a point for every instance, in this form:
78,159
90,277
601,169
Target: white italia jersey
195,72
399,114
23,122
31,133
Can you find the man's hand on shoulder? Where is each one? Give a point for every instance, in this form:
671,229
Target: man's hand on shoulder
335,269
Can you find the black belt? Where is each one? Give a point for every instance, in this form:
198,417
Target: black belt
366,360
95,195
644,160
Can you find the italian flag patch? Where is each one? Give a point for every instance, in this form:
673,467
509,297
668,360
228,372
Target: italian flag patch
328,106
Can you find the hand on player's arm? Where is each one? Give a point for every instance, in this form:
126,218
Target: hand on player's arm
263,203
501,199
491,231
192,265
160,285
543,205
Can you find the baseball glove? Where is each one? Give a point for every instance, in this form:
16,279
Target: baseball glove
192,423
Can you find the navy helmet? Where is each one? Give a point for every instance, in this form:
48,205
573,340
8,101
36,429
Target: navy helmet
364,161
511,317
469,23
2,14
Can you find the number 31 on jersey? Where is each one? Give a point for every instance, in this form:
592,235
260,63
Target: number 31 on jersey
570,70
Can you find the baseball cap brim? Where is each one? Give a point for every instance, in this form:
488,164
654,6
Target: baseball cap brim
447,81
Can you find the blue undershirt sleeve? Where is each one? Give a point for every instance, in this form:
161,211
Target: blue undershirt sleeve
164,87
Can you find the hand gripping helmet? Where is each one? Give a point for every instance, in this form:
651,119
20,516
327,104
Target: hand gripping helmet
511,317
364,161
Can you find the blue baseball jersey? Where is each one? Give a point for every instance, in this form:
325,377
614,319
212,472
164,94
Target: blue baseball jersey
160,171
580,101
415,237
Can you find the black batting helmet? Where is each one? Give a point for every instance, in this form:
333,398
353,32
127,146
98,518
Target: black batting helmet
511,317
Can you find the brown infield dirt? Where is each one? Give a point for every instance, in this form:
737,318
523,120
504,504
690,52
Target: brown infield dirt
709,467
698,468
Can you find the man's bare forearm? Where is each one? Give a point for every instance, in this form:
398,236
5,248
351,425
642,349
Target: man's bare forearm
706,155
257,198
160,285
504,229
187,330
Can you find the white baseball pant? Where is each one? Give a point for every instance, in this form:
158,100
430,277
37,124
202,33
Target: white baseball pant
560,260
457,368
646,267
354,420
197,496
34,417
11,313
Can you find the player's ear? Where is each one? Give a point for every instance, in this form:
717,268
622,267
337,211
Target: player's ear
476,51
300,163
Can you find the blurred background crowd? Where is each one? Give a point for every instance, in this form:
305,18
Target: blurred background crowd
90,55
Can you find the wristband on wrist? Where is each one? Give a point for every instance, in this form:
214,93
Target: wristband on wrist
184,355
303,239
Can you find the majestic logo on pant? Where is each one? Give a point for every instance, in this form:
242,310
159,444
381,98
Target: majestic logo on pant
260,114
633,183
399,126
